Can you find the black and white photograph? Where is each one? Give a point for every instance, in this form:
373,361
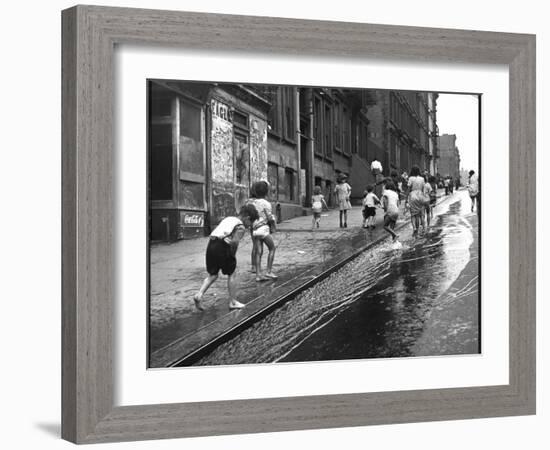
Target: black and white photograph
293,224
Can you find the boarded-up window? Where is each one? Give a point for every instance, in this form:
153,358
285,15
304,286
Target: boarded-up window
161,162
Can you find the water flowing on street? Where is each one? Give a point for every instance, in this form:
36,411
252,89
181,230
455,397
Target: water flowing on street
381,304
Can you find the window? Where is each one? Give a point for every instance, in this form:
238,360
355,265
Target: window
288,113
317,121
190,121
346,131
274,116
327,131
337,137
161,162
161,106
240,120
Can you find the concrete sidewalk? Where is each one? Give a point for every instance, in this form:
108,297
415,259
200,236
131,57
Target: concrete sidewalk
177,329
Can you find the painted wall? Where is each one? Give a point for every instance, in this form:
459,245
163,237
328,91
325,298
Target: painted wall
258,149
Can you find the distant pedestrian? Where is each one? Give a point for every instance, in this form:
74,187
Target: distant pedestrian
390,201
342,191
317,203
262,230
473,189
370,200
447,182
417,200
221,253
433,198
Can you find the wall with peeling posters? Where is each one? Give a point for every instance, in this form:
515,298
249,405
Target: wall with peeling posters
238,158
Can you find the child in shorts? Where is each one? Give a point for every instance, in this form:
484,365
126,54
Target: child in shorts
370,200
221,253
317,203
390,201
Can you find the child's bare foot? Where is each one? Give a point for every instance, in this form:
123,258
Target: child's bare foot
234,304
261,278
197,300
271,275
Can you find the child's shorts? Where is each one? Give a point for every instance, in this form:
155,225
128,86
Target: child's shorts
369,211
317,215
220,257
390,219
261,232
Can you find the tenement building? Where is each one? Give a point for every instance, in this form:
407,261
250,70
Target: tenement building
208,142
449,159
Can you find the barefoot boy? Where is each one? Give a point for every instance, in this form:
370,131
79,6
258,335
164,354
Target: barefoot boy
221,251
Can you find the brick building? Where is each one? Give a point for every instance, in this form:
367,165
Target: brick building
449,156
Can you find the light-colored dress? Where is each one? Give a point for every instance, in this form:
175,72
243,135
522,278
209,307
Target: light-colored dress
343,191
260,227
418,200
473,185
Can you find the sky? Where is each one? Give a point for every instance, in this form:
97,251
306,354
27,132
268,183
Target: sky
458,114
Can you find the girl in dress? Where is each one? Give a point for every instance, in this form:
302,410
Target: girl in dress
342,191
417,200
317,203
261,231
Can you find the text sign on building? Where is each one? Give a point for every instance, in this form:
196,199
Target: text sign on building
221,110
192,219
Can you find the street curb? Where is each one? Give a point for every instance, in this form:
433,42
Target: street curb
199,353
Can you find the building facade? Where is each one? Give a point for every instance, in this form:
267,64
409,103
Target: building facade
208,142
449,156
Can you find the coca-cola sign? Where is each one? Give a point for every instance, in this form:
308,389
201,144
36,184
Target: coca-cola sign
192,219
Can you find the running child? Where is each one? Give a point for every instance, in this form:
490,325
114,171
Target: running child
370,200
221,253
390,201
317,203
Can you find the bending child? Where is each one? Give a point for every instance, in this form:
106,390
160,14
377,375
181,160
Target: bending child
221,253
262,229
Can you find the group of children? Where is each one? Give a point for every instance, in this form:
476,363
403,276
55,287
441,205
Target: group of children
224,240
257,216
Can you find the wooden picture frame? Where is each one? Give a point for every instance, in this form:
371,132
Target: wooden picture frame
89,36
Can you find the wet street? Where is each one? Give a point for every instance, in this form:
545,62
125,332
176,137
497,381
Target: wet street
420,298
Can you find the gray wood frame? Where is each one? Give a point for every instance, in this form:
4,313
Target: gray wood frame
89,36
